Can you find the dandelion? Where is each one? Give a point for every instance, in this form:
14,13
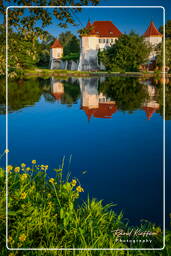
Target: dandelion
23,177
22,237
52,181
28,169
9,168
73,183
23,165
23,195
17,169
79,189
33,161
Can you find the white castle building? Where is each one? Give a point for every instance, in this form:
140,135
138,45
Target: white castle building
98,36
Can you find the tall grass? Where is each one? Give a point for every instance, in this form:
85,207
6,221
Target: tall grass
44,212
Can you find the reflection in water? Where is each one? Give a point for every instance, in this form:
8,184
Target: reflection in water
112,147
97,103
57,88
150,106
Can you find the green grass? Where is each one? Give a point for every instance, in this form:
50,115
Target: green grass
45,212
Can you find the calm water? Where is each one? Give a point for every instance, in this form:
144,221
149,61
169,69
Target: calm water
109,130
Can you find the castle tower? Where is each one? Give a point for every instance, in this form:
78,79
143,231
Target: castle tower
56,53
154,37
95,37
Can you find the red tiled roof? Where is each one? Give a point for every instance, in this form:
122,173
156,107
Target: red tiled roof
56,44
149,111
105,110
152,31
103,29
57,95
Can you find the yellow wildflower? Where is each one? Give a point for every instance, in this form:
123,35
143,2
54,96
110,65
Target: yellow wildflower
23,195
22,237
52,180
42,167
9,168
49,195
28,169
17,169
23,177
33,161
10,239
79,189
32,188
73,182
46,167
50,204
23,165
11,254
6,151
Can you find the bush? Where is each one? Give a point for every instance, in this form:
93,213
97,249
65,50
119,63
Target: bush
44,212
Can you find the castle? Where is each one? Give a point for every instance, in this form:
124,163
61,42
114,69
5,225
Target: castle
98,36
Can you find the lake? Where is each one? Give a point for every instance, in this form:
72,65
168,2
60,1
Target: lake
109,130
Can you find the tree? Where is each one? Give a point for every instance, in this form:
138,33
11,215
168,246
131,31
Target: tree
30,24
127,54
129,93
159,49
65,37
71,45
167,29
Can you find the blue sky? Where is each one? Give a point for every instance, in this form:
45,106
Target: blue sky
125,19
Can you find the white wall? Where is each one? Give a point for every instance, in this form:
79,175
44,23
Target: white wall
56,53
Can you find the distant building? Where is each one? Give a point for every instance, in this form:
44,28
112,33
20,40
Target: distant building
99,35
154,37
56,53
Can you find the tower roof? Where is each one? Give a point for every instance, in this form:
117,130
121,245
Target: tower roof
103,29
149,111
56,44
105,110
152,31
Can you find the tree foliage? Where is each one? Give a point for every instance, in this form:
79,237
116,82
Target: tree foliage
167,29
127,54
71,45
159,49
30,24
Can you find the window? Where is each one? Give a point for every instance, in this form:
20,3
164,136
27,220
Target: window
111,40
107,41
103,40
100,41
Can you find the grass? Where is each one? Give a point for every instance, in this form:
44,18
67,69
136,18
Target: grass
44,212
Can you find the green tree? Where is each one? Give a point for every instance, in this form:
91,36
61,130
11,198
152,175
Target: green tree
127,92
127,54
159,49
167,29
65,37
31,23
71,45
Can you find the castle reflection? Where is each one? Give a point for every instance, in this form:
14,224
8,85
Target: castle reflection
104,102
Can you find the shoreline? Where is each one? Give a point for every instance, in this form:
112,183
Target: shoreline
69,73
